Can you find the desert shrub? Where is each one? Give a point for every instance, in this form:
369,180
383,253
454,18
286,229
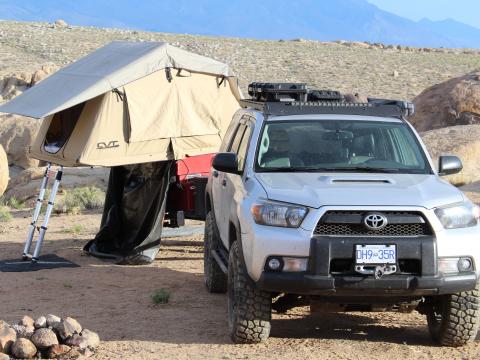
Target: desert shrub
75,229
15,203
5,214
161,296
78,199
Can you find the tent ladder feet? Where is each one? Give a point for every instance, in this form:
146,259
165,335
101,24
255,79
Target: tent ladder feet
48,213
36,214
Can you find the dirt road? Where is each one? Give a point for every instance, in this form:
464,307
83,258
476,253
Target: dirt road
115,301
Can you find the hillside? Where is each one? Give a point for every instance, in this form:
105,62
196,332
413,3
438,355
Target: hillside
353,20
349,67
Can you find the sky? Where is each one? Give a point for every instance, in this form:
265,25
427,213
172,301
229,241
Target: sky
466,11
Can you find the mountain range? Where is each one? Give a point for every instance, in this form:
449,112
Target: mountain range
327,20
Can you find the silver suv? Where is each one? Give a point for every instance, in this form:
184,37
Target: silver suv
316,200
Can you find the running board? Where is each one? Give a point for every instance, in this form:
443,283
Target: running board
220,257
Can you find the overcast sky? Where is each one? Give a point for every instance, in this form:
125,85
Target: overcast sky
467,11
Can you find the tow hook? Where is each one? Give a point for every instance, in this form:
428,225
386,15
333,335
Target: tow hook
378,271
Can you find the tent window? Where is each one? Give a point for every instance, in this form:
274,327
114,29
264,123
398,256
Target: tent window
61,128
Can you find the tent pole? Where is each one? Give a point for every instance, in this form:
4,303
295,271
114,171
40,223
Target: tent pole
51,203
36,213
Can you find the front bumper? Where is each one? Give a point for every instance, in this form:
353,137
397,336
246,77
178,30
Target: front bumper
321,279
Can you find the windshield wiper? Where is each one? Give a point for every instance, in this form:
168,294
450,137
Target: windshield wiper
368,169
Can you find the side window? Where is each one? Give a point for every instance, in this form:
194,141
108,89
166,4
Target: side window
242,150
228,134
237,139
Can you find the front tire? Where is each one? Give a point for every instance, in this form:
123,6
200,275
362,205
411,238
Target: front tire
249,309
454,319
215,278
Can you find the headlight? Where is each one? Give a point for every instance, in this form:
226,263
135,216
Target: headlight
457,216
278,214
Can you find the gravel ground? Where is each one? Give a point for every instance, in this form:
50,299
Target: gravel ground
115,302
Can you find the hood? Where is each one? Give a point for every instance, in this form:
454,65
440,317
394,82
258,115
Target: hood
316,190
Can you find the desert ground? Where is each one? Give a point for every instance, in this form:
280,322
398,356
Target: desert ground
115,301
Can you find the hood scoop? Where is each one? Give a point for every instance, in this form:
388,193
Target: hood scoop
362,180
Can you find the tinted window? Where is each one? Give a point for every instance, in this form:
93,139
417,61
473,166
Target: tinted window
242,150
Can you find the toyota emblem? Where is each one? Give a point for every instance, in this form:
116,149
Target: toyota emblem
375,221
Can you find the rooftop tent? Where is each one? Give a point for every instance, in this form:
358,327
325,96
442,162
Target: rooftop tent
135,107
128,103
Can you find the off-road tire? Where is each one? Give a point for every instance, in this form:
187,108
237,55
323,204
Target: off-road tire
249,309
215,278
454,319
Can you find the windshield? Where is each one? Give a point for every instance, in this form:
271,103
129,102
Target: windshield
340,145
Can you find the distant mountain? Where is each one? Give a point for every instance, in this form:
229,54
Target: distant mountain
355,20
461,34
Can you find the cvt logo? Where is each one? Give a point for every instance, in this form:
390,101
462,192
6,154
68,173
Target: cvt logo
111,144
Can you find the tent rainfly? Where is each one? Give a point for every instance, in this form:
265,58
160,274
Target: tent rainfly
135,107
129,103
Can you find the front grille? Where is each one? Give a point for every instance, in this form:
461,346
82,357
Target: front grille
350,223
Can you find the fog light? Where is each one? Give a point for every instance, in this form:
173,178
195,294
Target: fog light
464,264
294,264
274,264
448,265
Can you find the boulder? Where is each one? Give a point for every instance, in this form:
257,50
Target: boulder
41,322
93,340
27,321
4,171
74,324
23,349
77,341
61,23
23,331
7,337
53,320
453,102
57,351
17,133
44,338
13,85
4,356
64,330
462,141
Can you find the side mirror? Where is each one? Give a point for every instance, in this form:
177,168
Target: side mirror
448,165
226,162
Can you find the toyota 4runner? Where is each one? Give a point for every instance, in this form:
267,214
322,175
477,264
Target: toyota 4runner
316,200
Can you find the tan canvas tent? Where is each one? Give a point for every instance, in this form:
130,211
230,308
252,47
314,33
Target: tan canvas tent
135,107
130,102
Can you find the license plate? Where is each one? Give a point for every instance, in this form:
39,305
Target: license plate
376,254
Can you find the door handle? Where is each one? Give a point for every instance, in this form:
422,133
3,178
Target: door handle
224,182
215,173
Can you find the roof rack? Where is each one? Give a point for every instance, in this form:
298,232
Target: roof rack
297,99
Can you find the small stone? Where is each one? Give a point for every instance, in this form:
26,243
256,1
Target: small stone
77,341
52,320
23,331
23,349
41,322
71,355
7,337
61,23
395,74
64,330
87,352
27,321
74,323
56,351
93,340
44,338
